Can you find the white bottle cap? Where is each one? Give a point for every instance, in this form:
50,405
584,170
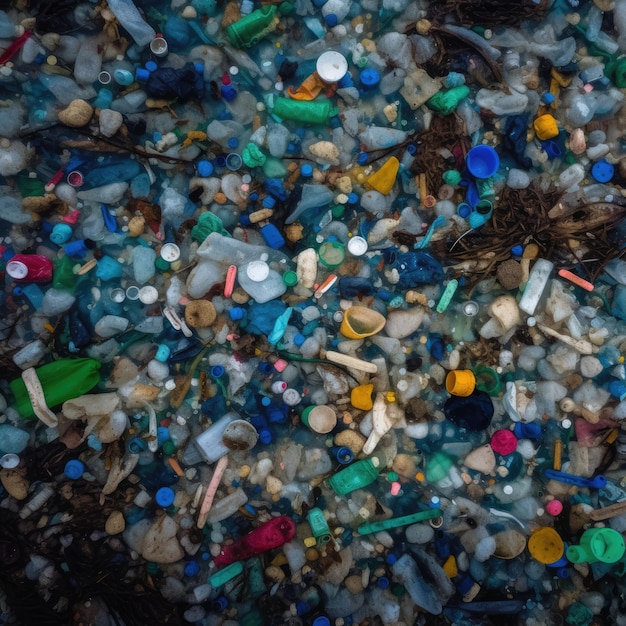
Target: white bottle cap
258,271
357,246
159,47
331,66
170,252
148,295
291,397
132,292
17,269
9,461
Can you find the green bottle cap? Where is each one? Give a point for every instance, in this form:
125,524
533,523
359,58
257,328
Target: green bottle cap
290,278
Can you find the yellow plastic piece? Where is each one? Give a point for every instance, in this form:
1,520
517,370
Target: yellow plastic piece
460,382
545,545
384,179
546,127
360,322
310,542
361,397
309,89
390,396
450,568
563,81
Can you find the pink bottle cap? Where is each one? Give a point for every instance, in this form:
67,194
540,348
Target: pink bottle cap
554,507
503,442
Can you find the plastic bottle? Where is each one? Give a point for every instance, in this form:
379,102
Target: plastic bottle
358,475
251,28
316,112
130,18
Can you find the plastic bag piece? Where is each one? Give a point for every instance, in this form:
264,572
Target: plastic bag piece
514,139
184,83
472,412
415,268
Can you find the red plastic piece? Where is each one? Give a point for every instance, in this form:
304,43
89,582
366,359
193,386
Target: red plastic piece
14,48
503,442
273,534
30,268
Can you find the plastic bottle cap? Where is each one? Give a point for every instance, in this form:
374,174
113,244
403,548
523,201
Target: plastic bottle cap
257,271
170,252
74,469
291,397
602,171
554,507
331,66
306,170
290,278
17,269
142,74
369,77
503,442
104,77
164,497
482,161
132,292
546,546
148,295
470,308
158,47
9,461
357,246
205,168
75,178
460,382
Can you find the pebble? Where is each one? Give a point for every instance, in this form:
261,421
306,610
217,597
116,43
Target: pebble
76,114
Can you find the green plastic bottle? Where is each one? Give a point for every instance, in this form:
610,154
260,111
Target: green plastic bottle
316,112
63,276
358,475
60,380
245,32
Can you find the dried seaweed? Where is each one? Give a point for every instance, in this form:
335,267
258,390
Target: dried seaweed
490,12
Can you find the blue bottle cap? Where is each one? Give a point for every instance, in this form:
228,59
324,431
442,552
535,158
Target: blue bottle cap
269,202
306,170
199,67
233,142
369,77
464,210
137,445
552,149
517,250
217,371
391,559
353,198
74,469
383,582
299,339
602,171
163,353
142,75
265,401
191,569
482,161
204,168
272,236
547,98
164,497
331,20
61,233
236,313
163,434
362,158
265,436
220,161
151,66
233,161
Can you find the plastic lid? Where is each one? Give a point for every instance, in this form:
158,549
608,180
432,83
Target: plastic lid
148,295
257,271
164,497
357,246
170,252
331,66
482,161
9,461
17,269
205,168
306,170
546,545
602,171
369,77
290,278
158,46
74,469
291,397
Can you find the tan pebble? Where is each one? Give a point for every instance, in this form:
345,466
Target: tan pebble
344,184
244,471
240,296
351,439
509,544
15,482
415,297
273,485
274,573
189,13
423,27
404,466
312,554
136,226
115,523
200,313
354,584
509,274
77,114
326,151
481,459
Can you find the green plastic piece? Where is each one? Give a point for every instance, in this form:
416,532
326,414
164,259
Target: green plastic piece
161,264
286,8
358,475
208,223
396,522
620,73
487,380
316,112
447,295
579,615
603,545
445,102
437,467
338,211
290,278
274,168
63,276
452,177
60,380
250,29
319,525
252,155
224,575
485,189
29,186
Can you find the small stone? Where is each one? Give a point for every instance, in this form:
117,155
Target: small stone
136,226
351,439
590,366
273,485
160,544
325,152
110,122
404,466
15,482
509,274
481,459
344,184
76,114
402,323
115,523
274,573
509,544
354,584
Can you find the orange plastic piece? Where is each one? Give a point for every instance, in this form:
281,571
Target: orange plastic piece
309,89
577,280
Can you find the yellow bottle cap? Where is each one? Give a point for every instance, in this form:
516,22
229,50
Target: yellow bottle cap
545,545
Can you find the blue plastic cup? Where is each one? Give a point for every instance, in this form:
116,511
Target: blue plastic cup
482,161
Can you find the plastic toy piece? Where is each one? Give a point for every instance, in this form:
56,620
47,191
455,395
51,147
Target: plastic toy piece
595,483
395,522
603,545
268,536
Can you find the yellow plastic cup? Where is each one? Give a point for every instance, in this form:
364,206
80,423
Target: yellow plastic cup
460,382
360,322
546,546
